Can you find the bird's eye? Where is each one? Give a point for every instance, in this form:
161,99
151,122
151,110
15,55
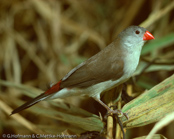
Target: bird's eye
137,32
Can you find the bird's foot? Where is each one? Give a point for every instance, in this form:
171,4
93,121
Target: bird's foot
110,111
117,112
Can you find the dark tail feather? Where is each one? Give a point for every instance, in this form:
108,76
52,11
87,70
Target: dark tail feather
30,103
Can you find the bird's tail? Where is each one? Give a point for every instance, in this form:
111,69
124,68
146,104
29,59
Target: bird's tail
54,89
30,103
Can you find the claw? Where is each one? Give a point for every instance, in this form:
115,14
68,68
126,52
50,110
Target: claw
127,117
117,112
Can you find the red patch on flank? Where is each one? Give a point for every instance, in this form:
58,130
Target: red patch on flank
55,88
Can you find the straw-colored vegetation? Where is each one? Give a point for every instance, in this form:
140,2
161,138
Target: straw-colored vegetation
42,40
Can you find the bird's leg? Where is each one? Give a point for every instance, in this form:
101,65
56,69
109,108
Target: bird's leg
110,111
117,114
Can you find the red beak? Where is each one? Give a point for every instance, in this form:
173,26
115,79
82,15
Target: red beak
148,36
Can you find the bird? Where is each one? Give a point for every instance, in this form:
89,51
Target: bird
107,69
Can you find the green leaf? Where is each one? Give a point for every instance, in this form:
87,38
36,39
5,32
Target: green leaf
158,43
159,125
152,68
85,122
151,106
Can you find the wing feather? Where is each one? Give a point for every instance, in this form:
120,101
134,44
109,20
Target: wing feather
105,65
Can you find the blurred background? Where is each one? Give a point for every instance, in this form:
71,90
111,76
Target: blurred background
42,40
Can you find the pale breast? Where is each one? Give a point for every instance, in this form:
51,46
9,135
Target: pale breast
131,60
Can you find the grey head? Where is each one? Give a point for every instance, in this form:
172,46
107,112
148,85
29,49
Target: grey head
132,37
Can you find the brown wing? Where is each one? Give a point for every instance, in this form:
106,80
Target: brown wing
105,65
